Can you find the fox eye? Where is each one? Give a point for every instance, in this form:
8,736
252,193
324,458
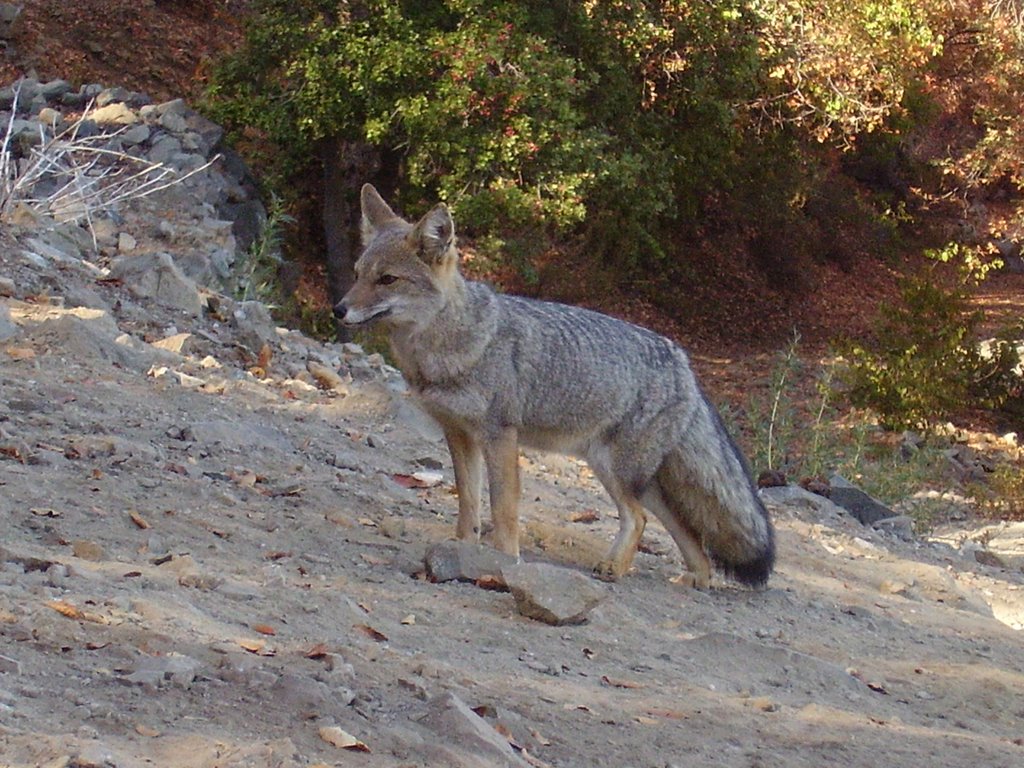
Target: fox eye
386,279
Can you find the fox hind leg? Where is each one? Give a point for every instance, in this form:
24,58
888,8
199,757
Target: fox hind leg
632,520
690,548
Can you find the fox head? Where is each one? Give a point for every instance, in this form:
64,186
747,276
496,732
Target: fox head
405,269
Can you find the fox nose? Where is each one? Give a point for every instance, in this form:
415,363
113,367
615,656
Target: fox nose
340,310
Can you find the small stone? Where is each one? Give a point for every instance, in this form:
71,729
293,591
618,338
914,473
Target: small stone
126,243
9,666
551,594
87,550
465,561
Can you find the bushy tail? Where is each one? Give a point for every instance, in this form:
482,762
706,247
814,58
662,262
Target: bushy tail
706,484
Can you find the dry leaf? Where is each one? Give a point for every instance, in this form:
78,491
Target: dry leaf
615,682
647,720
256,646
668,714
372,633
264,629
539,738
21,353
318,651
266,355
341,739
44,512
145,730
138,519
585,516
65,609
419,479
409,620
367,522
492,582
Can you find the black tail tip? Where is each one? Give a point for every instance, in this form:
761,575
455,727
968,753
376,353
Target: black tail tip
752,573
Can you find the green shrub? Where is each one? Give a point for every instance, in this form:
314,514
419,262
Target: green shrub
924,364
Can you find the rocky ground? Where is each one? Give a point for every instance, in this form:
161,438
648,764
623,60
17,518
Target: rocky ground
212,541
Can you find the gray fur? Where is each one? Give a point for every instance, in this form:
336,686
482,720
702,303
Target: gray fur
562,379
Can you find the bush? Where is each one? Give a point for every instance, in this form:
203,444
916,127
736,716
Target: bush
924,364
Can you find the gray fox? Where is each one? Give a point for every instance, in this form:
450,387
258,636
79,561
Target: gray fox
501,371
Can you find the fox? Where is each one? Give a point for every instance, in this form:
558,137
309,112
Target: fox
499,372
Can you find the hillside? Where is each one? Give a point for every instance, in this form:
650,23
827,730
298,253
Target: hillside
213,555
213,530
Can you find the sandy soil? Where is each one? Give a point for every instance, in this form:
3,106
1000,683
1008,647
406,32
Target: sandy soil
203,563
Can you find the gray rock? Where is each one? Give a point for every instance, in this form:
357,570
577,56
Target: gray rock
9,666
465,561
174,122
156,671
7,326
164,148
551,594
862,506
900,526
137,134
254,324
55,89
112,95
468,735
156,276
797,500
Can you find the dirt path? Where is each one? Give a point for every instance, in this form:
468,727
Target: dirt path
200,566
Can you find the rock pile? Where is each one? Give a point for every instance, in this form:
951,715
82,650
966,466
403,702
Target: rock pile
209,215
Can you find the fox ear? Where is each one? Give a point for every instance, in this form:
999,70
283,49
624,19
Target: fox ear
376,213
434,235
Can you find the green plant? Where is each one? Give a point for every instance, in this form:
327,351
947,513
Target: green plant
257,274
924,363
772,423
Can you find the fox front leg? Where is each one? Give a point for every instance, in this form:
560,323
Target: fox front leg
467,461
501,454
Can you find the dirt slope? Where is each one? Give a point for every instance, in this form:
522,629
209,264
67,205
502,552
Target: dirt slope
203,564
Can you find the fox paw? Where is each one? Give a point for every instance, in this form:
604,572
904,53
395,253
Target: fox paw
692,580
607,570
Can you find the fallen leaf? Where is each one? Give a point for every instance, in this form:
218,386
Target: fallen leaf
373,559
372,633
367,522
585,516
877,688
409,620
145,730
318,651
264,629
45,512
668,714
647,720
277,555
419,479
20,353
616,682
492,582
65,609
11,452
266,355
138,519
253,646
342,739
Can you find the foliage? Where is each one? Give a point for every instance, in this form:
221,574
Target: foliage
924,364
257,275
